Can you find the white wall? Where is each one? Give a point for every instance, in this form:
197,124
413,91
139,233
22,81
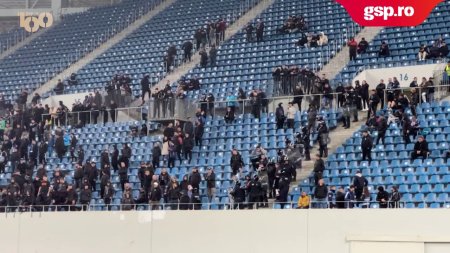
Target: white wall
311,231
404,75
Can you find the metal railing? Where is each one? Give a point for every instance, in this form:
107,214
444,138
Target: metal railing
176,205
427,94
368,66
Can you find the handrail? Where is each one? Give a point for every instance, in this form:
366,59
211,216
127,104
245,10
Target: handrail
231,205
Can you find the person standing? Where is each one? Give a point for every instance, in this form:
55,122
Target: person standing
394,199
291,111
259,31
350,197
145,87
210,178
319,167
322,132
364,93
366,146
279,115
212,56
382,127
320,194
381,87
187,49
236,161
359,182
353,46
373,103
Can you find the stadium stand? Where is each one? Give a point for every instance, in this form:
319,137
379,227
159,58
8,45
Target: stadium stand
422,182
245,65
144,50
404,44
63,44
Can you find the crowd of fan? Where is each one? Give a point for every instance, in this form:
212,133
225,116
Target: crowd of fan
438,49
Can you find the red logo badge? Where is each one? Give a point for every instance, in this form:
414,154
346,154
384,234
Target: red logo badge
389,12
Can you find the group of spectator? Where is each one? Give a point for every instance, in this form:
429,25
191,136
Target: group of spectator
312,40
356,195
119,90
267,179
259,31
438,49
362,47
60,86
293,24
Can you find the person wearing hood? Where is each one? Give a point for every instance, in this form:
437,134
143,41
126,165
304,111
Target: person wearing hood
359,182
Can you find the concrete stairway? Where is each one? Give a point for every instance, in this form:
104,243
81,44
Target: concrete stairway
195,60
337,137
338,62
101,49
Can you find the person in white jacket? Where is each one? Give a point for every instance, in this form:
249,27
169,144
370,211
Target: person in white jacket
323,39
291,115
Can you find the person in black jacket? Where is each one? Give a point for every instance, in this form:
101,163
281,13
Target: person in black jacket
123,174
203,58
85,197
319,167
320,194
145,87
156,153
359,182
420,149
340,198
113,111
188,145
382,197
115,158
283,190
187,49
195,178
238,194
280,116
249,32
229,116
382,127
199,129
173,194
91,173
155,196
254,190
364,93
213,55
60,148
259,31
210,178
373,103
236,161
366,146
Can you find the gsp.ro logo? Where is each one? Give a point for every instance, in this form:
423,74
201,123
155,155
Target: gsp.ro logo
32,23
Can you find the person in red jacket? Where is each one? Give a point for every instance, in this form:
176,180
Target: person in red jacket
352,46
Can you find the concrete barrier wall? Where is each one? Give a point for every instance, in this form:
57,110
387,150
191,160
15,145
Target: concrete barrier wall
312,231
